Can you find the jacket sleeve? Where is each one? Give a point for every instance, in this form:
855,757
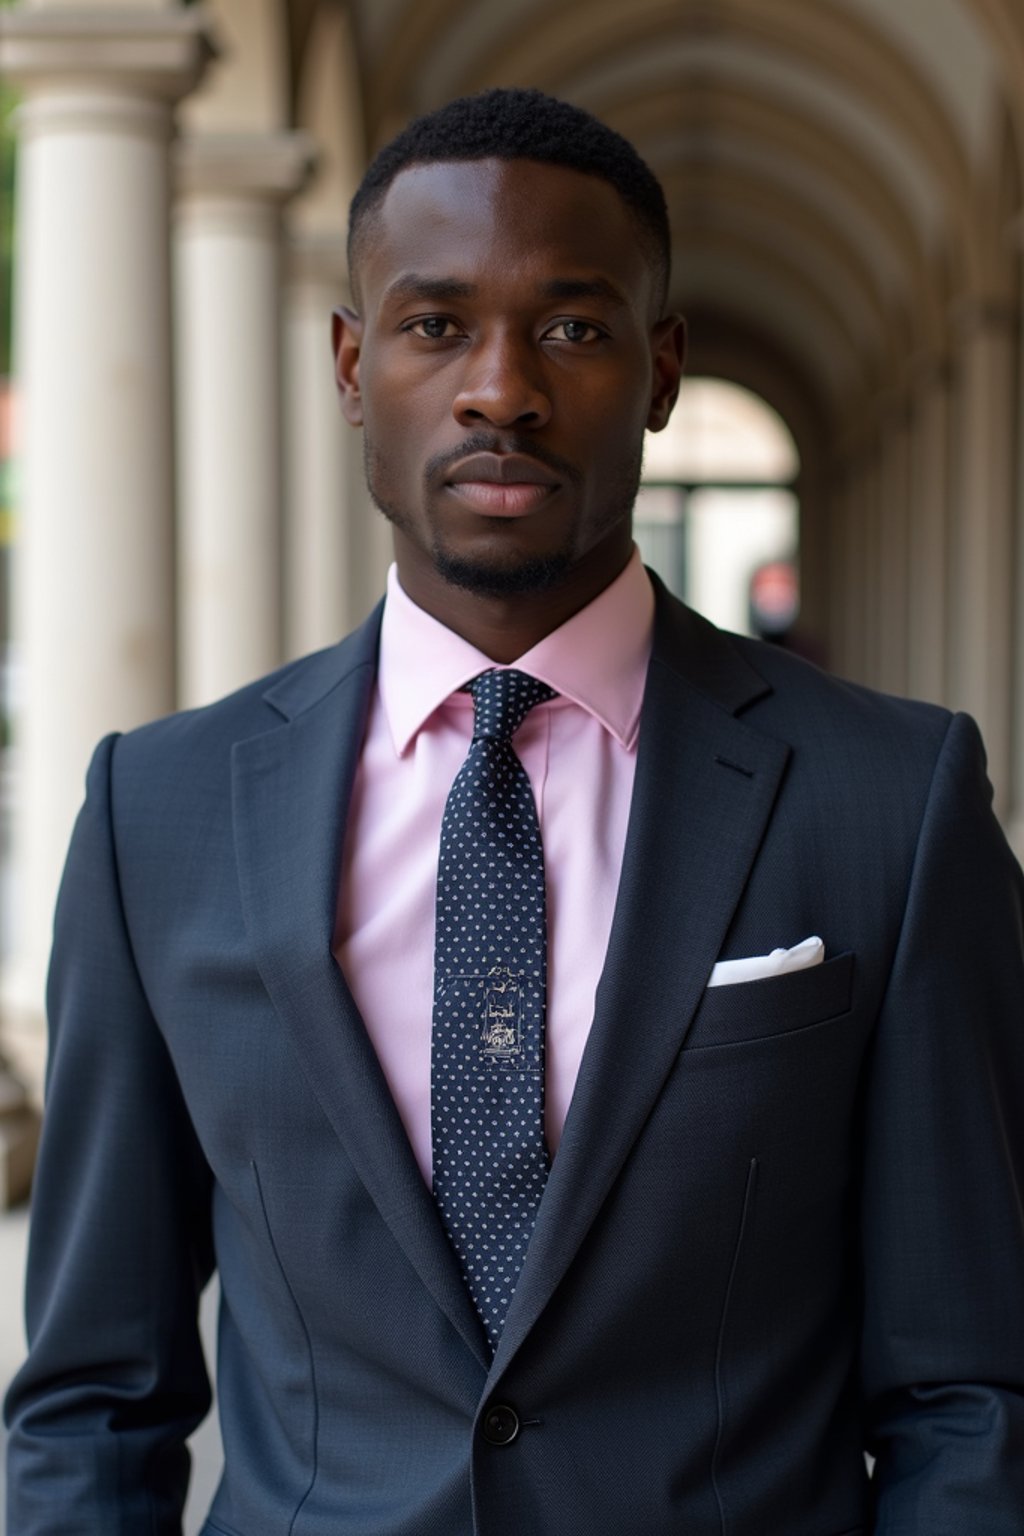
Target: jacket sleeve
943,1221
120,1246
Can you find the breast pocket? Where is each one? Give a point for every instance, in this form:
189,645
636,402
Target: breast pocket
776,1005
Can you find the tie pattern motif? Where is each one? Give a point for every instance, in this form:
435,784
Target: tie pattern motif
490,970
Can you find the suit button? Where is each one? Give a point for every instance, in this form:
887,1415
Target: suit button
501,1424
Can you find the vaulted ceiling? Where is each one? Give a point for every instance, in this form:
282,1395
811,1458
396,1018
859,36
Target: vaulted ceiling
844,176
840,172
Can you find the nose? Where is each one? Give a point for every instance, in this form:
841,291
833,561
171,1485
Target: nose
502,386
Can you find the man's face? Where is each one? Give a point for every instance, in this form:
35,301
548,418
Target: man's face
506,363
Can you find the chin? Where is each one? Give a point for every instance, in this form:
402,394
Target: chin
504,578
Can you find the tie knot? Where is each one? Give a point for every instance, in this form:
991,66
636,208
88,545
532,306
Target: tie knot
501,702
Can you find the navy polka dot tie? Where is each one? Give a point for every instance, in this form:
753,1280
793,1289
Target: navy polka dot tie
490,969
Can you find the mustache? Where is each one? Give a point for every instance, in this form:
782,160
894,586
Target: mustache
495,442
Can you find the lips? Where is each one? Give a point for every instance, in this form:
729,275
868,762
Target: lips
501,484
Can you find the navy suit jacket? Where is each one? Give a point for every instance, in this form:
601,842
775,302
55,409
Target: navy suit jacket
784,1225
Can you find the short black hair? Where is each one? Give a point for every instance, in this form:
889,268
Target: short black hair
517,124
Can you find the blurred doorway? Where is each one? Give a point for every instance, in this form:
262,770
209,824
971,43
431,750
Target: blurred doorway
718,515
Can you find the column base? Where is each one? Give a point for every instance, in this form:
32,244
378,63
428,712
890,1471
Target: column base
1014,829
19,1140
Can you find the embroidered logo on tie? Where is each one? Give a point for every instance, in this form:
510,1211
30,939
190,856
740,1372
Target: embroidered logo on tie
503,1014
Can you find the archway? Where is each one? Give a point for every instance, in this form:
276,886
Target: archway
718,512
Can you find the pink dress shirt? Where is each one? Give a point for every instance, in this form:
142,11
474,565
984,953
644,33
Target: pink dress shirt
579,751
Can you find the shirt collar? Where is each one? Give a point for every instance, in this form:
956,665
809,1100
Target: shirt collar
597,659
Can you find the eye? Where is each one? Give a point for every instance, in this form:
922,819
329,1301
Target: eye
433,328
576,331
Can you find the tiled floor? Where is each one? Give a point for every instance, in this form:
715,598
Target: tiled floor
206,1452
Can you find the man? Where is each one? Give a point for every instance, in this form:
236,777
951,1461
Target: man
767,1215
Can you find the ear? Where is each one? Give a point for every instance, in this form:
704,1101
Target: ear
668,352
346,343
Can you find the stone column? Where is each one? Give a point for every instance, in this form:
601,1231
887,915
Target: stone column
982,531
929,533
869,603
852,575
849,567
1015,815
325,515
893,541
815,506
230,357
93,583
838,570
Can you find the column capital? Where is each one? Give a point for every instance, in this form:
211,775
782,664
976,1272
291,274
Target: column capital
253,167
976,315
892,408
19,1139
927,368
317,260
156,54
859,442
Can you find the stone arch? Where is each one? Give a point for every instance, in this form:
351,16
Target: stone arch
577,34
1000,209
729,346
786,221
806,321
745,353
762,120
1004,22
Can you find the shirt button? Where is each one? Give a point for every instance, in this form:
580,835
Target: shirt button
500,1425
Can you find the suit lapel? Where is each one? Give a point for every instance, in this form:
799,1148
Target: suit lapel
704,789
291,788
703,794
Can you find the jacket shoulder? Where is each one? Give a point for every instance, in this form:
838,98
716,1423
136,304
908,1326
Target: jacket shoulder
775,690
799,685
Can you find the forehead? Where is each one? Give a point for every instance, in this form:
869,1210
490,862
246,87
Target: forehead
501,218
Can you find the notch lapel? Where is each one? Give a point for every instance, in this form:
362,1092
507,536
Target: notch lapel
704,790
291,788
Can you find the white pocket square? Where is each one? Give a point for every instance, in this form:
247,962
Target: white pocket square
756,967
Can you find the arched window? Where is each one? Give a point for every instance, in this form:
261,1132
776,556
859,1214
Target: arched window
717,515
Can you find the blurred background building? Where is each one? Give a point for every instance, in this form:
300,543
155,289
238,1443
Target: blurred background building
182,507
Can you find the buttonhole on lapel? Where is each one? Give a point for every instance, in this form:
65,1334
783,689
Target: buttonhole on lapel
727,762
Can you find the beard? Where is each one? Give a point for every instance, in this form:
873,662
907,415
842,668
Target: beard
489,579
499,576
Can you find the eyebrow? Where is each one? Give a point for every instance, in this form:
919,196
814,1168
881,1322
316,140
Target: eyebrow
583,288
413,285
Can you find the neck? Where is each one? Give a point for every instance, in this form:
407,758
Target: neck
505,627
